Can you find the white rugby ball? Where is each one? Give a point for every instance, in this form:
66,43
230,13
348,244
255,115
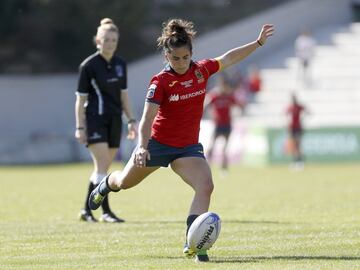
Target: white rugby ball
204,231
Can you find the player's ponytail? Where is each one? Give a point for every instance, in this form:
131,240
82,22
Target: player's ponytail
176,33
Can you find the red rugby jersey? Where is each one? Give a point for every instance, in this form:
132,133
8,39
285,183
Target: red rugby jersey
221,104
295,112
181,99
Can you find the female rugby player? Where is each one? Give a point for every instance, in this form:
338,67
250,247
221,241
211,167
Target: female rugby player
221,99
170,124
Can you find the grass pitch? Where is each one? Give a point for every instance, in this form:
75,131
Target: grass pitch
272,218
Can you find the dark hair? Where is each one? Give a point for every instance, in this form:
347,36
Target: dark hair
176,33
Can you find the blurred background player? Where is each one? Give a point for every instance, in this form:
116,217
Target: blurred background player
101,98
304,51
254,83
220,100
295,112
170,124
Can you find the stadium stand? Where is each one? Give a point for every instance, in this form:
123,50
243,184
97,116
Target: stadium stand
333,98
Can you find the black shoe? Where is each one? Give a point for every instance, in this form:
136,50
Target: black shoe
202,256
111,218
87,216
95,199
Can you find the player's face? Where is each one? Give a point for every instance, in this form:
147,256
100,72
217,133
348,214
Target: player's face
179,59
108,42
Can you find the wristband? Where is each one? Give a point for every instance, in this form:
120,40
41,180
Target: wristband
258,41
130,121
80,128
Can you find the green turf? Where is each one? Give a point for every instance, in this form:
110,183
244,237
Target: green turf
272,218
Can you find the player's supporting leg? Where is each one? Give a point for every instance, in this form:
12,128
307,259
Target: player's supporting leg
117,180
195,172
187,251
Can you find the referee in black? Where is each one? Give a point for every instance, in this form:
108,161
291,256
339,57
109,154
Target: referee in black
101,98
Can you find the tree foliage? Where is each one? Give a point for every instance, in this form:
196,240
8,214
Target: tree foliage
55,35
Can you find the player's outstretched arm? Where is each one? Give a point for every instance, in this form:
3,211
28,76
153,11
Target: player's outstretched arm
237,54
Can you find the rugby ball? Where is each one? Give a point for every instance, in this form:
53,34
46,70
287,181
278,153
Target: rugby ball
204,231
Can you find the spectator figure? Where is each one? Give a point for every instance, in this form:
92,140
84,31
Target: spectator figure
305,50
295,112
240,90
254,83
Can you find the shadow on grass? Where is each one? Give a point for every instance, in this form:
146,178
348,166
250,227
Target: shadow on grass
279,258
234,221
256,222
258,259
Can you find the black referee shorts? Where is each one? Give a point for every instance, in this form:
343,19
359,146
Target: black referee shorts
104,128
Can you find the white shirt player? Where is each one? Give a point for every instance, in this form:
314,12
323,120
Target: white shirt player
305,47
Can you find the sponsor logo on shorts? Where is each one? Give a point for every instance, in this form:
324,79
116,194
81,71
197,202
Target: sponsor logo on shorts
95,136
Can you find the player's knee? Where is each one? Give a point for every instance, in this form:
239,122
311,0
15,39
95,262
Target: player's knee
122,180
207,187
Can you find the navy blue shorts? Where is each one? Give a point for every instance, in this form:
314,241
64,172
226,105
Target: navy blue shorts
162,155
222,131
296,133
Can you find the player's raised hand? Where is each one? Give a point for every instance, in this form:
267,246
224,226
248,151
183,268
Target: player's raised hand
266,31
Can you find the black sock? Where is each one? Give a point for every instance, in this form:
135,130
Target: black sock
190,221
90,189
105,205
104,187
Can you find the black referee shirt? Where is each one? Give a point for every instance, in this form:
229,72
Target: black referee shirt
102,82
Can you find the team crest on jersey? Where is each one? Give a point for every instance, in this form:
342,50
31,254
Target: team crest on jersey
119,70
151,91
199,76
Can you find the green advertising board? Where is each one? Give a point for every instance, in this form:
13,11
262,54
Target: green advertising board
318,144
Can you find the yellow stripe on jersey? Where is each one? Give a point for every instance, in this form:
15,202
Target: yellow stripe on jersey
219,62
